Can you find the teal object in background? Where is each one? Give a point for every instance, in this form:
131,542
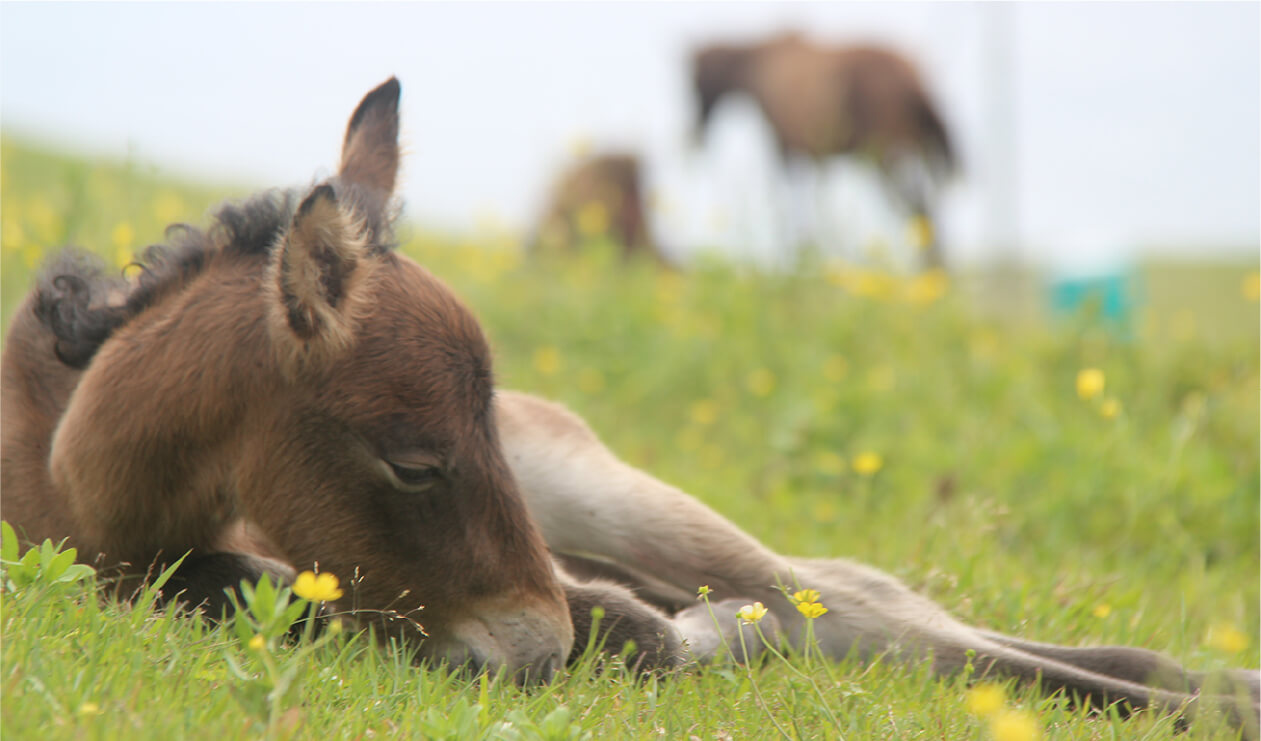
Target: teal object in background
1111,297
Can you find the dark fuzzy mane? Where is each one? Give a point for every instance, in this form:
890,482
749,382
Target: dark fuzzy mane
82,305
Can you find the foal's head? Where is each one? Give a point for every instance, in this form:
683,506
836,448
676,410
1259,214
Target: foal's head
376,453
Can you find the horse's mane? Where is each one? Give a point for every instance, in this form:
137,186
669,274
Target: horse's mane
82,304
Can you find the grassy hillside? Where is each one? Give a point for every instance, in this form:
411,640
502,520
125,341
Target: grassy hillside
1130,517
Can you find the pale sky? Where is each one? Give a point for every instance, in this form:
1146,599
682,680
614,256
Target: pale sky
1082,126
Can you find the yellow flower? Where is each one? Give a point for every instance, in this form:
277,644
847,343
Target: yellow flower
1015,725
703,591
752,613
547,360
806,595
11,234
123,235
928,287
168,207
257,643
703,411
1090,382
986,699
920,232
317,587
868,463
760,382
89,708
811,610
1110,408
1228,638
1102,610
1252,286
593,219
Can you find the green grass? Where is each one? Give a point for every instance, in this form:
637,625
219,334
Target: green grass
1003,495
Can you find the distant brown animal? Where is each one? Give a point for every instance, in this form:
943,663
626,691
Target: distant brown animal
822,101
600,196
282,391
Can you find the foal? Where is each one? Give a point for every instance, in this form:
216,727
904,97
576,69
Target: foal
283,391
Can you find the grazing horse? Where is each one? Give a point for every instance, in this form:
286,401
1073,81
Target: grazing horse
280,391
285,390
823,101
607,191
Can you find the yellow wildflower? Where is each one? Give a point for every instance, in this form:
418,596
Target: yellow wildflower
868,463
317,587
31,256
257,643
168,207
760,382
986,699
806,595
703,411
1090,382
89,708
123,235
928,287
919,232
1102,610
1015,725
1110,408
11,234
811,610
1228,638
593,219
752,613
547,360
703,591
1252,286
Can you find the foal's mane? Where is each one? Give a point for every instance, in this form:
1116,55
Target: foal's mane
82,304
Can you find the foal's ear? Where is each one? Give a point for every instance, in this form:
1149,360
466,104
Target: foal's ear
370,152
318,282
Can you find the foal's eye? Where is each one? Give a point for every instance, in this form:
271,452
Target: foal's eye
415,477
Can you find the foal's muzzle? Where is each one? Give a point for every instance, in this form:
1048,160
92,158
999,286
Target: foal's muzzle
528,646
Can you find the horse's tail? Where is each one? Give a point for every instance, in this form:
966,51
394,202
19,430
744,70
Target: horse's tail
935,139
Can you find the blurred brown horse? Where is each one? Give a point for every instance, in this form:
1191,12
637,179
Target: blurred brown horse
602,195
823,101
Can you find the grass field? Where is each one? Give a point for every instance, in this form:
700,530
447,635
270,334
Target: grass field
1130,517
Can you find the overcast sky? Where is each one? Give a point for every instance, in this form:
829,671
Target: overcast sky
1081,125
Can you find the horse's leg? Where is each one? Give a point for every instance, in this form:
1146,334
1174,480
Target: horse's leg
591,505
1138,665
622,619
665,543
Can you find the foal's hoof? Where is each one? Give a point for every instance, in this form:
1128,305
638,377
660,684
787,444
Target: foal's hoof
624,620
713,631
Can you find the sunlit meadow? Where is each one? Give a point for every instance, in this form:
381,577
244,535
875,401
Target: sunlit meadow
1067,480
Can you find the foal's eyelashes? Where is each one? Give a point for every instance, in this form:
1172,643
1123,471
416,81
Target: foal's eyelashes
414,477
